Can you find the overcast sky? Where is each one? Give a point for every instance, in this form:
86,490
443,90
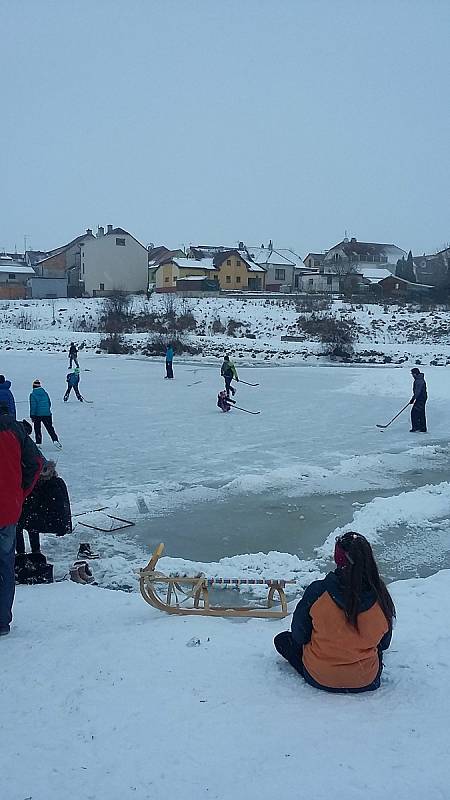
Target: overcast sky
213,121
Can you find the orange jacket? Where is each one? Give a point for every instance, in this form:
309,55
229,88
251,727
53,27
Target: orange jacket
335,654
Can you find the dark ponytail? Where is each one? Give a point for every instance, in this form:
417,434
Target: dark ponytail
361,573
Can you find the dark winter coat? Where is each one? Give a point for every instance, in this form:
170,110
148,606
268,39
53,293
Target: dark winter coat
334,653
40,403
47,509
7,398
73,350
419,389
20,466
73,379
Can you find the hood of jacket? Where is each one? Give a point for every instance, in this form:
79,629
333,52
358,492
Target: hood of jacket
336,589
5,385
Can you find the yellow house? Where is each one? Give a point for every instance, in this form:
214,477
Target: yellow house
238,272
232,269
174,268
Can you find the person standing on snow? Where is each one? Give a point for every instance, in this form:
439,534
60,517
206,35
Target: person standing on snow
73,355
6,396
40,413
20,467
169,362
342,624
73,379
418,402
228,372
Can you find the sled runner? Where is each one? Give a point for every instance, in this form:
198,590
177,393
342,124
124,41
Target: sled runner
170,593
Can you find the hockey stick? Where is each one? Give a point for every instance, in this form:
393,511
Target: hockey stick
247,383
245,409
393,418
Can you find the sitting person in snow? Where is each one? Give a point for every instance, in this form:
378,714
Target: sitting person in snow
223,401
342,623
45,510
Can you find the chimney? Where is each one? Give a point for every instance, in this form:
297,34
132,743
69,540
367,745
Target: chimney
241,245
89,231
100,232
109,230
353,240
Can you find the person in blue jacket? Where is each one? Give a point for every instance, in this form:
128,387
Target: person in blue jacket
7,397
169,362
40,413
73,379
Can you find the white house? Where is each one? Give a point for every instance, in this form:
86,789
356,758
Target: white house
320,282
113,260
281,266
352,255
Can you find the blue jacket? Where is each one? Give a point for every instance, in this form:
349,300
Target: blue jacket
7,398
73,379
40,403
169,354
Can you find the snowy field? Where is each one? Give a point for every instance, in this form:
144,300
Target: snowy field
114,700
398,332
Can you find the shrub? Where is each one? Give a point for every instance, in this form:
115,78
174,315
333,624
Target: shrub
336,335
217,326
233,326
115,345
25,321
157,346
185,322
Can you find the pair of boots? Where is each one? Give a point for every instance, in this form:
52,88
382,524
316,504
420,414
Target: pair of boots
31,568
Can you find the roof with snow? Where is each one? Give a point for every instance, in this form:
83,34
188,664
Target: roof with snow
251,265
374,275
282,257
354,248
192,263
8,265
193,278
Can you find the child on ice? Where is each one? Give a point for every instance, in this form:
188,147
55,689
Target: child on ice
224,402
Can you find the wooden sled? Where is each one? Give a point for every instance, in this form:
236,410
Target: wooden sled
196,589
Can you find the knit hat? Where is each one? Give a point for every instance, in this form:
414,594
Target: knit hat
36,383
415,371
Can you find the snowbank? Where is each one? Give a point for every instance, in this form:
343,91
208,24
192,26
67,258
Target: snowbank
104,698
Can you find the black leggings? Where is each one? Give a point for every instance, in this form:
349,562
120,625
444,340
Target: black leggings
292,652
48,425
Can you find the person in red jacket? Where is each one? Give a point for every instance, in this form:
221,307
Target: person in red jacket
20,467
342,624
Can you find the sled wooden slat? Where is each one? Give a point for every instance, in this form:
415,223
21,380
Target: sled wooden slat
196,590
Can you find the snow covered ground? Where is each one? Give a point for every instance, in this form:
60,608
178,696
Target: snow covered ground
106,700
401,333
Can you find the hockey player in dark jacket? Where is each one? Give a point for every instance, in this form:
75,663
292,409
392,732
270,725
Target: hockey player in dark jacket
418,402
20,466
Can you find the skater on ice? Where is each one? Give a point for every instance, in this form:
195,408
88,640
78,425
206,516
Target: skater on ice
6,396
169,362
418,402
73,355
342,624
41,414
73,380
228,372
223,401
20,467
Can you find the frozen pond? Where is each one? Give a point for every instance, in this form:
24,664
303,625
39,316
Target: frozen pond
217,485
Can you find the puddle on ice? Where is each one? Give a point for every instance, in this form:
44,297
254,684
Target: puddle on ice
288,524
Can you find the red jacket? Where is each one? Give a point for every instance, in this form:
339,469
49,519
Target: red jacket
20,467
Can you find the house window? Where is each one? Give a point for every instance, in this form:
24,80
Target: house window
238,263
228,278
280,274
228,262
12,276
316,263
166,280
238,278
120,242
329,281
102,287
311,281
